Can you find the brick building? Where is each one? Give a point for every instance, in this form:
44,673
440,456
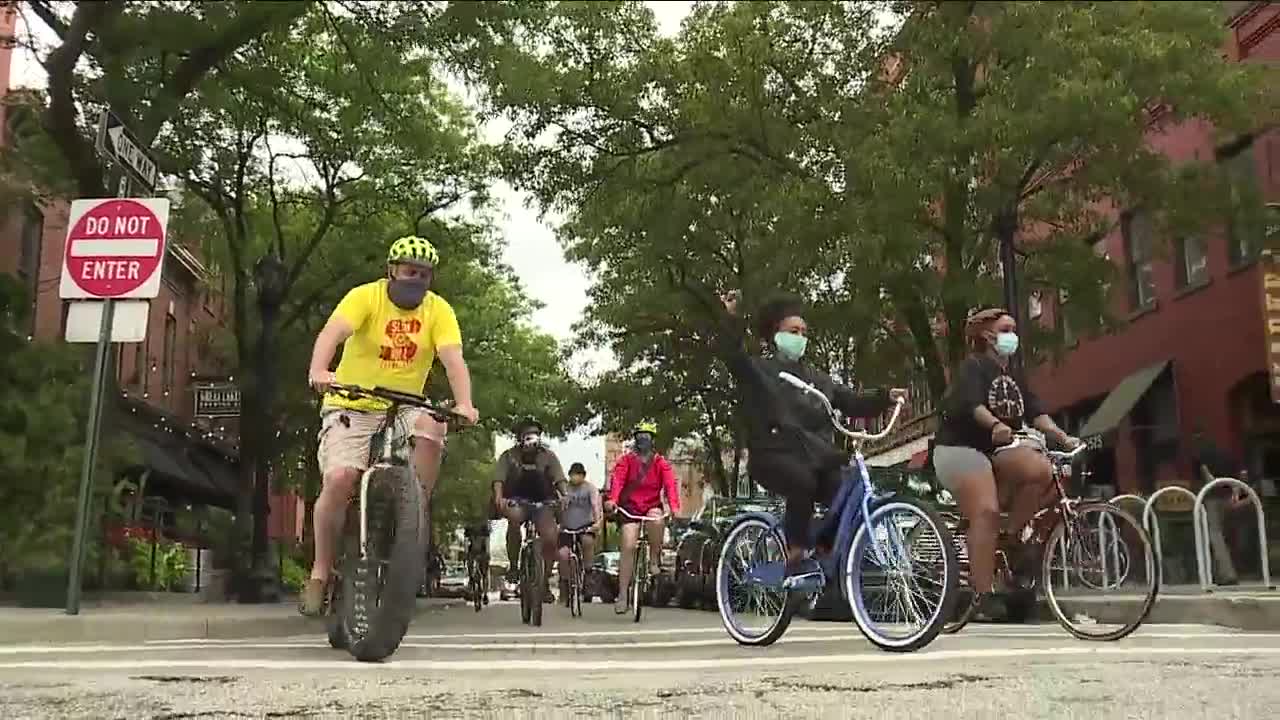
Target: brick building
1193,352
692,479
187,458
1142,390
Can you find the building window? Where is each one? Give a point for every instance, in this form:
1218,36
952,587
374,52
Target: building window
1245,225
29,253
1192,262
170,351
29,260
1064,325
139,364
1138,249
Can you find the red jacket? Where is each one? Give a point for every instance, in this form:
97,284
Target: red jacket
643,494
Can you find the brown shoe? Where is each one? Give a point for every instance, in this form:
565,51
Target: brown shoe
313,598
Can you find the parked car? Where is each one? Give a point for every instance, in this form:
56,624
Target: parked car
698,549
602,578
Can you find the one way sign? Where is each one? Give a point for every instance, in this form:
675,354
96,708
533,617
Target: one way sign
116,142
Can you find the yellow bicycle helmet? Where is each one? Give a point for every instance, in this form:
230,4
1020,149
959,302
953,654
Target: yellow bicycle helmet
644,426
413,250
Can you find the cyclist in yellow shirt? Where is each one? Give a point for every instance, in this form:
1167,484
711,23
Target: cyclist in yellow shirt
391,331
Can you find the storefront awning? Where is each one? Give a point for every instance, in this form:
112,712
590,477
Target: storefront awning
1122,400
900,454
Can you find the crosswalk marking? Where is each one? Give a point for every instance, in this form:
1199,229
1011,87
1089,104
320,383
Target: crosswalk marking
1081,650
548,641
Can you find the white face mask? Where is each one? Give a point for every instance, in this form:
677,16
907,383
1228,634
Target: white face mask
1006,343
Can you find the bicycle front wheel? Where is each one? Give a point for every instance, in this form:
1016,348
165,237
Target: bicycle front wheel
900,576
1099,572
575,587
379,590
477,586
639,578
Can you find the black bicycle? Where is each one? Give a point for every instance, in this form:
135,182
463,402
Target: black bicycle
477,573
381,556
533,575
575,573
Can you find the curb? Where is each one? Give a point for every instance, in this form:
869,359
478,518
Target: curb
1241,613
150,624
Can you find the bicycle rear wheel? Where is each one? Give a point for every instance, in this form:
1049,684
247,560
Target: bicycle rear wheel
1100,548
754,608
379,592
902,555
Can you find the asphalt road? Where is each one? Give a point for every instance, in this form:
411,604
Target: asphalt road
674,663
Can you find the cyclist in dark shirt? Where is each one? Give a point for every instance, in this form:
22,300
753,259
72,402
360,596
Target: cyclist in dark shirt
986,404
790,440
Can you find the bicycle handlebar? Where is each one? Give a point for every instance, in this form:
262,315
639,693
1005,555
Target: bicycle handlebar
856,435
396,397
642,518
1022,439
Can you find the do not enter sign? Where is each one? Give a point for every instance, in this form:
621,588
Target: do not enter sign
115,248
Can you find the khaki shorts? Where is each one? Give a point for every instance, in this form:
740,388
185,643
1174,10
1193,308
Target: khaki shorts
345,435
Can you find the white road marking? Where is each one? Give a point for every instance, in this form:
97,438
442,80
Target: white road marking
631,666
536,642
816,628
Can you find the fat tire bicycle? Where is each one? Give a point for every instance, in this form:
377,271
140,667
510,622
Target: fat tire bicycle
640,577
532,567
867,531
372,592
575,575
1061,526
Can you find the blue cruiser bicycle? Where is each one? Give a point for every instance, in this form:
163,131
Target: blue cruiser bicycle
893,560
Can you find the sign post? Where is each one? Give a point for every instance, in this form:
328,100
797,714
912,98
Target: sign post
114,250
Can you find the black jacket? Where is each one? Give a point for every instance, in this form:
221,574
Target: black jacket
783,420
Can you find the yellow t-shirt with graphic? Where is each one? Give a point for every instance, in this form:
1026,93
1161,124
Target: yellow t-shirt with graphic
390,348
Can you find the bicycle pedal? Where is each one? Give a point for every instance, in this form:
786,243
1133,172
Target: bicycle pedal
805,582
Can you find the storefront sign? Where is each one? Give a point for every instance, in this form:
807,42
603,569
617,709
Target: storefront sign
1269,259
216,400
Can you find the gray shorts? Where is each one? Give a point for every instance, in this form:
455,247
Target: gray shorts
952,461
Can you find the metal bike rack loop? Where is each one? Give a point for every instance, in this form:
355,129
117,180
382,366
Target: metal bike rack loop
1200,519
1153,527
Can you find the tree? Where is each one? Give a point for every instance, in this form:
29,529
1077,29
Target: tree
144,60
1032,124
43,409
872,162
315,150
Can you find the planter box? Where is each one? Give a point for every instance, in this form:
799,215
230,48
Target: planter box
42,589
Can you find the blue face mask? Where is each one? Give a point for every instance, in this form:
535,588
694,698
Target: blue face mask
1007,343
790,345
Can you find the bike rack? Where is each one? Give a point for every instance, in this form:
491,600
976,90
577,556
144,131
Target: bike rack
1200,520
1153,528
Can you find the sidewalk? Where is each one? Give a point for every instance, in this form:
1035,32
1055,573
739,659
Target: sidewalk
1243,608
165,619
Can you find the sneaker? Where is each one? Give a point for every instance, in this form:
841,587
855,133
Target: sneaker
313,598
621,606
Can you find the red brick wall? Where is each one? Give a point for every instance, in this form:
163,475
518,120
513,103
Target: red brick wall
1213,334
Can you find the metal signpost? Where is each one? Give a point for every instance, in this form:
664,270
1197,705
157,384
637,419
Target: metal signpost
114,250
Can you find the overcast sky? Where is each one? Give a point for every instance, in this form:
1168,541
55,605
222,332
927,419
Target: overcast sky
531,246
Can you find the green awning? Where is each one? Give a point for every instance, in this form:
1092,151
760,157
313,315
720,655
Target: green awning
1121,400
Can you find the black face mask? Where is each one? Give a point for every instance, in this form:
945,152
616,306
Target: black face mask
407,293
643,443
